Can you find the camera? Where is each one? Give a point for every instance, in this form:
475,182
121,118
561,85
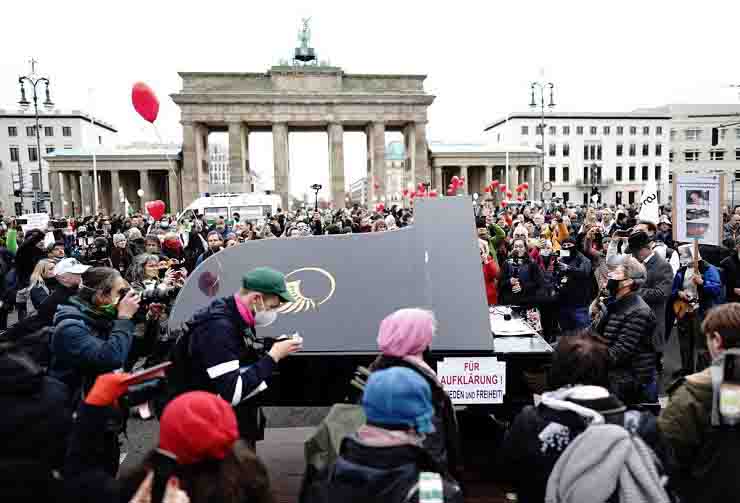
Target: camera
143,392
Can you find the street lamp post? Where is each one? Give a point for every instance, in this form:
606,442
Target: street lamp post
541,86
316,188
34,81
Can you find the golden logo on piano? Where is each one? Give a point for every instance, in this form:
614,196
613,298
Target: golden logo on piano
305,303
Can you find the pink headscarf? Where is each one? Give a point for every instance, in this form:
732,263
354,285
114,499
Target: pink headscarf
406,332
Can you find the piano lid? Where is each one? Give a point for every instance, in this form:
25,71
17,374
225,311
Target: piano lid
346,284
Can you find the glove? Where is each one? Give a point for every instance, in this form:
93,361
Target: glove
108,388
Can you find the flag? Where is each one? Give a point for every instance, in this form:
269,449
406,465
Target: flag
649,204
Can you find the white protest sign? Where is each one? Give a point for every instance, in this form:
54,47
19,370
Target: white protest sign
35,221
473,380
649,211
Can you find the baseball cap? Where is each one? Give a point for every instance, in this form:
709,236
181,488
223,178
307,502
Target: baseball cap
399,396
267,280
70,265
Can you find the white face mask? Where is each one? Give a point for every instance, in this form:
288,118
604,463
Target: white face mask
564,253
264,318
545,253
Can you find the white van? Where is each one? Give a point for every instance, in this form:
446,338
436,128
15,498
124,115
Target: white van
252,207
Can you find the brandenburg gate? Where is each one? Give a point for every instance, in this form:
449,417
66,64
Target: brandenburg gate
301,98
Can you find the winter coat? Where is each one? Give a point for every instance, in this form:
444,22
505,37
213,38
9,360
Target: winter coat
627,327
539,435
709,292
121,259
85,345
655,292
27,256
490,272
368,474
577,291
39,293
34,427
731,268
224,364
137,246
206,255
444,443
530,279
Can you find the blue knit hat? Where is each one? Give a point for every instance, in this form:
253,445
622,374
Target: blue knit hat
398,397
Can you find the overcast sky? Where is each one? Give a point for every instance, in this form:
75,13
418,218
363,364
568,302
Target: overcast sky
479,57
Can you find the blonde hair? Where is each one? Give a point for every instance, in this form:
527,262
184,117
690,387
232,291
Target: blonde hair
37,276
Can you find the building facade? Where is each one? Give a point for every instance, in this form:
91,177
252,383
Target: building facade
218,166
691,150
358,192
19,166
612,153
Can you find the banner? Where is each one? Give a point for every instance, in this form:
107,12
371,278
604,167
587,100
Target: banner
649,211
473,380
696,210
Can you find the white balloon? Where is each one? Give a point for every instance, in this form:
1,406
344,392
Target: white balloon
140,192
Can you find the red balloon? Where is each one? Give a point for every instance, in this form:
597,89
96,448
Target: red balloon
487,189
455,179
413,195
494,183
502,188
504,204
421,187
405,192
376,186
525,185
450,192
155,209
519,189
432,193
509,194
145,101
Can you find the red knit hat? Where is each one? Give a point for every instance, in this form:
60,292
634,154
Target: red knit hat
197,426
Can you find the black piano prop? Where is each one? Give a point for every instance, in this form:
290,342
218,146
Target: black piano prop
346,284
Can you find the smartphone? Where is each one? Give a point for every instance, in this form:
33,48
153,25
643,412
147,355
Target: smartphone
146,374
21,221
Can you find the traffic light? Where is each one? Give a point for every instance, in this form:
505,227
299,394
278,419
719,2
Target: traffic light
715,136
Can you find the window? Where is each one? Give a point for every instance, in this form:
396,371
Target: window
31,131
657,172
693,134
658,130
566,150
645,173
618,197
585,152
717,155
12,131
566,197
619,173
566,174
633,130
645,149
620,130
579,130
566,130
632,173
66,131
631,197
525,130
13,154
551,149
737,154
586,169
50,149
100,140
33,154
670,156
552,173
607,130
598,152
633,150
691,155
48,131
658,149
552,130
620,149
646,131
673,134
68,147
593,130
539,129
35,185
585,198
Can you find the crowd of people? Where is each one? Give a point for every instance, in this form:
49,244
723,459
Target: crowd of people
92,298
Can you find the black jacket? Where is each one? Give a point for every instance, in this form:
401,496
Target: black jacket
577,291
367,474
627,326
655,292
530,278
27,256
731,268
34,427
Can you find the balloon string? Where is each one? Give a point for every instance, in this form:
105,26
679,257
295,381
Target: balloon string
169,163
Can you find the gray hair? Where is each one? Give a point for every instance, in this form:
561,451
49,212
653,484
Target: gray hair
633,268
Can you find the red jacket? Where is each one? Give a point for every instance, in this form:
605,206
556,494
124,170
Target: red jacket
490,273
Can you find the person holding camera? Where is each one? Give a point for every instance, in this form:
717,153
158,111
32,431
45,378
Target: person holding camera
93,334
521,277
225,356
574,285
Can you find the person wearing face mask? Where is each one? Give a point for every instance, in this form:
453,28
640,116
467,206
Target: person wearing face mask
575,287
702,288
521,278
626,326
93,334
224,359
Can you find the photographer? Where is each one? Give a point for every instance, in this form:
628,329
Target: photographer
157,296
93,334
221,362
98,255
574,276
521,278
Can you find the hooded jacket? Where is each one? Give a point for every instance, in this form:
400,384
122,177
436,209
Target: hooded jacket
34,428
27,256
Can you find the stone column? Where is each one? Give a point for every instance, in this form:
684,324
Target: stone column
86,189
115,190
438,180
420,166
533,188
464,175
173,189
409,141
376,156
190,165
489,176
144,185
55,192
281,158
335,135
238,154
